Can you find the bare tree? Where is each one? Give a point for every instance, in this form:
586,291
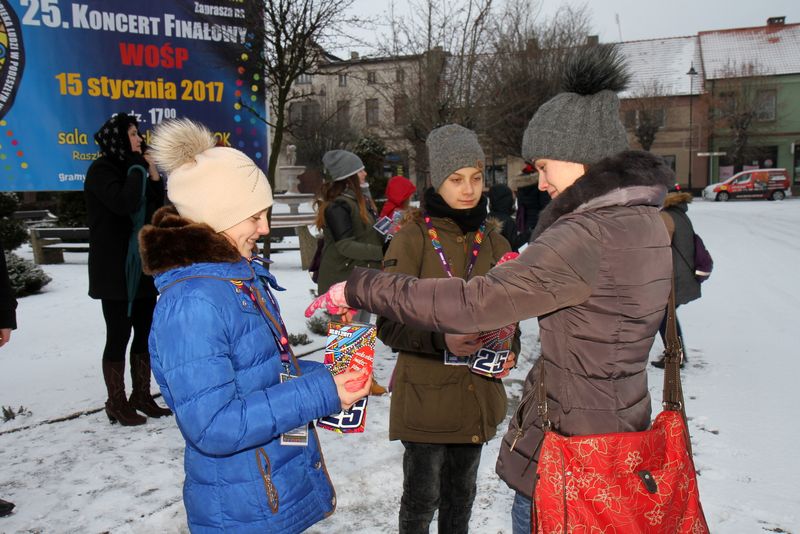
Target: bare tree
741,99
648,109
527,57
319,125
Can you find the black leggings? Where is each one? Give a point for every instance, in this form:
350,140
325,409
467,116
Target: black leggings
118,327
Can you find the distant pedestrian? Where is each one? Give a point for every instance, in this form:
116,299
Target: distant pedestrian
123,189
8,322
687,286
501,208
531,200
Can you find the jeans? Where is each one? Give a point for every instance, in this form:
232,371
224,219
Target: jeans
438,477
521,514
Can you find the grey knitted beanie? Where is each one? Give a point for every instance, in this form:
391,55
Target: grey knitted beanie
581,125
341,164
452,147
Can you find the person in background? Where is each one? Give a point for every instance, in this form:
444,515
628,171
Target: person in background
399,191
123,189
220,351
531,200
443,414
367,194
681,232
8,322
347,224
501,208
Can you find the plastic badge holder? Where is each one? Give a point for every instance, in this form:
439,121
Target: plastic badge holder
350,347
489,360
389,226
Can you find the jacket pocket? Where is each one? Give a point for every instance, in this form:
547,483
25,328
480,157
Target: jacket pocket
265,468
434,407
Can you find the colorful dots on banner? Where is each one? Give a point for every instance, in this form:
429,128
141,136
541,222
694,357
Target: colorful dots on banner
20,154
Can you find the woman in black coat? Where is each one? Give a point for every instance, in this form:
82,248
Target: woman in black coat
123,189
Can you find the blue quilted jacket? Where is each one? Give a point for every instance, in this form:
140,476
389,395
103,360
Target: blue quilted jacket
216,360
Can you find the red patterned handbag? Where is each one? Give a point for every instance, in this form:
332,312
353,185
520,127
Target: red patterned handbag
628,482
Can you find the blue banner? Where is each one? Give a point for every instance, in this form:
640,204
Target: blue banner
66,67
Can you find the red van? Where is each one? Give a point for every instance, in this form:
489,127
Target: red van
772,184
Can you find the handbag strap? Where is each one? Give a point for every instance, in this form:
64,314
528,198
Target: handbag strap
673,356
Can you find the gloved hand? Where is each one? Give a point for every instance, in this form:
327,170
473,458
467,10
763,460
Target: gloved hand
334,301
508,256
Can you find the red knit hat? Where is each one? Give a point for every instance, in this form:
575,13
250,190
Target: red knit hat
398,190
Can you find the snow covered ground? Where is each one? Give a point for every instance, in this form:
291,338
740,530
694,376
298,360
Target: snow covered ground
84,475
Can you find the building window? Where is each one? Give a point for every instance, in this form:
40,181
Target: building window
670,161
343,113
654,117
401,110
400,76
372,112
766,102
727,103
304,79
629,119
372,77
343,80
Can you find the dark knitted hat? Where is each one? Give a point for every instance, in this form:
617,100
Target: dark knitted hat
341,164
581,125
452,147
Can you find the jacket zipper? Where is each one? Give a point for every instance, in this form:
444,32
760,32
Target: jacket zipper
272,493
518,433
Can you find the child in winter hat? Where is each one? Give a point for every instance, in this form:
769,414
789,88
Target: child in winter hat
216,185
341,164
452,147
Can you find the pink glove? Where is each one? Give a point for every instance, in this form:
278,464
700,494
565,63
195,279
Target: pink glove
508,256
333,301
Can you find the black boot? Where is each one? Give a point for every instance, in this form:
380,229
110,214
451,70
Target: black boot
141,399
5,507
117,407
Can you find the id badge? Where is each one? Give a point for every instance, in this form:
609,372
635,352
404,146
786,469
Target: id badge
297,437
452,359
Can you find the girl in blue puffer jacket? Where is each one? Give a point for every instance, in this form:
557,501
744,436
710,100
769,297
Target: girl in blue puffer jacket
220,353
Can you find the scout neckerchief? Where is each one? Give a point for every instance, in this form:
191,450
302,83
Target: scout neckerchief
437,246
276,327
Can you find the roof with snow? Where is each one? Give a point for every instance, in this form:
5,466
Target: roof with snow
763,51
658,67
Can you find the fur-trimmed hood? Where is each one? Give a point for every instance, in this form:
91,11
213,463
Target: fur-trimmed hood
172,241
632,177
676,199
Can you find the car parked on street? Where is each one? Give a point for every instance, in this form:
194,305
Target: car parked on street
772,184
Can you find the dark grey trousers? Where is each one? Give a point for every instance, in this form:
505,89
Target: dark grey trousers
438,477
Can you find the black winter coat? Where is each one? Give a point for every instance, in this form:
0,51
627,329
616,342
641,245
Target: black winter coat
501,208
8,304
687,287
531,202
113,191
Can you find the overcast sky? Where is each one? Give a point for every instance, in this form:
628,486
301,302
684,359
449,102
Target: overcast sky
647,19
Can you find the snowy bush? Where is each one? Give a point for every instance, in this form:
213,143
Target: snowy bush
26,277
71,209
12,231
318,324
9,413
298,339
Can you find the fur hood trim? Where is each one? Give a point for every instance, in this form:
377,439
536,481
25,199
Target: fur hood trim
627,169
680,197
172,241
414,215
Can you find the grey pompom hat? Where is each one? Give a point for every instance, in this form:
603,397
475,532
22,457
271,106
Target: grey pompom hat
582,124
341,164
452,147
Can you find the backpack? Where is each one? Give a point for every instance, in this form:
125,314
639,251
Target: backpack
703,262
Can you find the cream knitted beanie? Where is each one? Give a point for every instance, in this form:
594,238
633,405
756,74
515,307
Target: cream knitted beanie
219,186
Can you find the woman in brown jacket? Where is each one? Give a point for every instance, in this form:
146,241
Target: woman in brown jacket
443,413
597,274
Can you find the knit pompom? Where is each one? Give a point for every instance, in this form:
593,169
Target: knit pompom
177,142
595,68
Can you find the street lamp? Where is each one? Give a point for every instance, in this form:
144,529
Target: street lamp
692,73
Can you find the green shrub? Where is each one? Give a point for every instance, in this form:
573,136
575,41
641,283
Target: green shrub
25,276
71,209
318,324
12,232
298,339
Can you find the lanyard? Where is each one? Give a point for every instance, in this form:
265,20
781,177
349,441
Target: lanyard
437,246
281,337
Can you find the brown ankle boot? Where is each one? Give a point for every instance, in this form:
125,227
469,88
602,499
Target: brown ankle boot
141,399
117,407
377,390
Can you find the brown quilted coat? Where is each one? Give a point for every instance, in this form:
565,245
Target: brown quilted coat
597,274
